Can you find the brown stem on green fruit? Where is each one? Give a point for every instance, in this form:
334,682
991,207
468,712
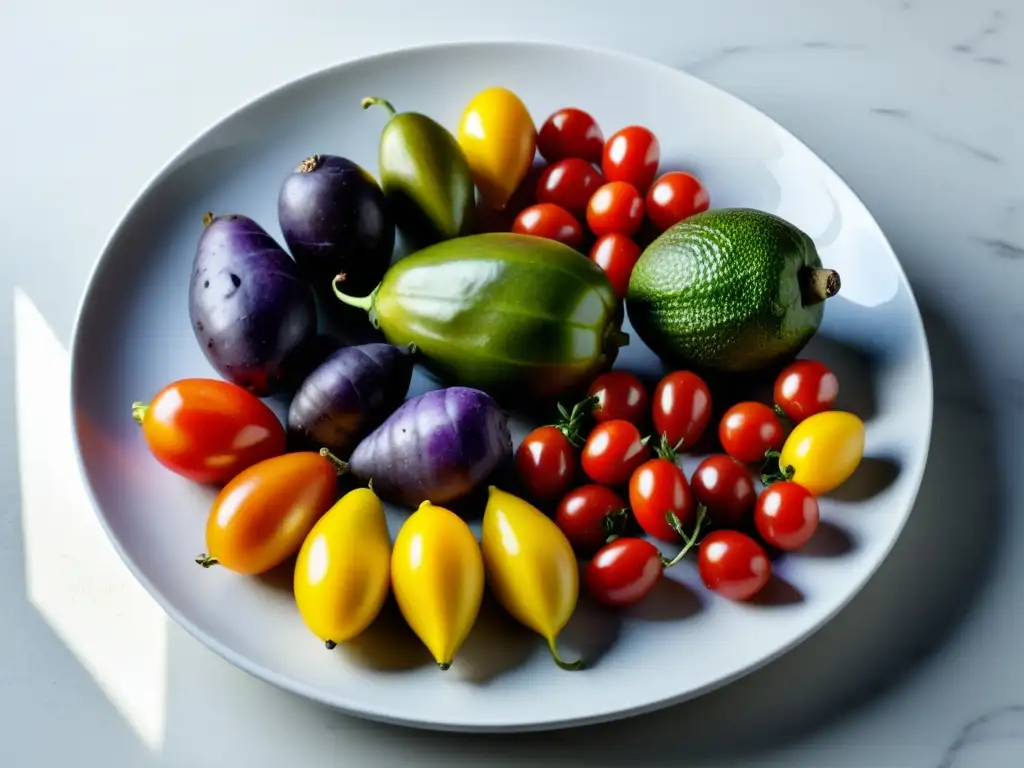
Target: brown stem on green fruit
311,163
568,666
340,466
374,101
617,338
208,218
689,540
205,560
571,422
816,285
139,411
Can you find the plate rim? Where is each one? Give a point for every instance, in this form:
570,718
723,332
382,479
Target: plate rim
373,712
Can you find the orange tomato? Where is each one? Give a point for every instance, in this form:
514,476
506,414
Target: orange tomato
263,515
209,430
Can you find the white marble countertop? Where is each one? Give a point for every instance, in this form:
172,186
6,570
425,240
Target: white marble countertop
917,103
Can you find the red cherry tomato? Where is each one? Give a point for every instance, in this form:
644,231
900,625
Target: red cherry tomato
620,395
617,255
624,571
569,183
658,487
631,155
582,513
725,487
674,197
733,564
546,463
550,221
805,388
570,132
748,430
681,408
786,515
612,451
615,207
209,430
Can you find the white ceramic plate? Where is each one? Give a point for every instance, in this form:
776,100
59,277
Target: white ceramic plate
133,336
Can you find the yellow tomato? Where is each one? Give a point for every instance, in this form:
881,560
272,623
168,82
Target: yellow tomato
824,450
344,568
530,566
437,574
499,140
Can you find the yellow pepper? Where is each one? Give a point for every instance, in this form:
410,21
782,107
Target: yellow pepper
499,140
343,570
823,451
531,568
437,575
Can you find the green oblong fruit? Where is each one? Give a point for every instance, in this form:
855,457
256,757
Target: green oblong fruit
518,316
425,176
729,290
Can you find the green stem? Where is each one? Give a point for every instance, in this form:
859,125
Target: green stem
614,523
374,101
139,411
208,218
339,465
568,666
772,471
689,541
570,423
666,450
205,560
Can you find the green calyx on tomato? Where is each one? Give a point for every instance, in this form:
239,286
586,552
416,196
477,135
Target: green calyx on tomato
689,540
773,471
572,421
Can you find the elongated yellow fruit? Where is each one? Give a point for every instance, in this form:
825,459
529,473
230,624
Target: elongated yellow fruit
531,567
437,576
343,570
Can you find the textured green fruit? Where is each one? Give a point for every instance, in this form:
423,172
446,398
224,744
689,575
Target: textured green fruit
425,177
517,316
729,290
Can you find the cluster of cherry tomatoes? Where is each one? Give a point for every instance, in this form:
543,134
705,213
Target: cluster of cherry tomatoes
632,486
598,194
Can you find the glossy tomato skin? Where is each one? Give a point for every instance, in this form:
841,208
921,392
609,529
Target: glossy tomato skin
550,221
632,155
681,408
616,207
623,572
733,564
616,254
657,488
748,430
581,515
786,515
673,197
726,487
804,388
569,183
570,133
262,516
546,463
209,430
612,451
620,395
824,450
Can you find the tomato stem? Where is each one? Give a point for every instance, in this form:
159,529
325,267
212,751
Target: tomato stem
689,541
205,560
772,471
569,666
571,422
139,411
375,101
614,522
779,412
666,450
339,465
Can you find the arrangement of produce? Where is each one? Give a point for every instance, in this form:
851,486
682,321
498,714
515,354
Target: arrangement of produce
531,247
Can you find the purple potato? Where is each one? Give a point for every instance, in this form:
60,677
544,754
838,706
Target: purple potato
251,311
335,219
437,447
348,395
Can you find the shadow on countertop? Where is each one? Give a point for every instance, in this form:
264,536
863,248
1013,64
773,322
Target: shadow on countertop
906,611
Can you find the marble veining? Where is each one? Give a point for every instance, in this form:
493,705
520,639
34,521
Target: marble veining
897,113
996,734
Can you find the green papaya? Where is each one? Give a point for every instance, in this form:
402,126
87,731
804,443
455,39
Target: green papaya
518,316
